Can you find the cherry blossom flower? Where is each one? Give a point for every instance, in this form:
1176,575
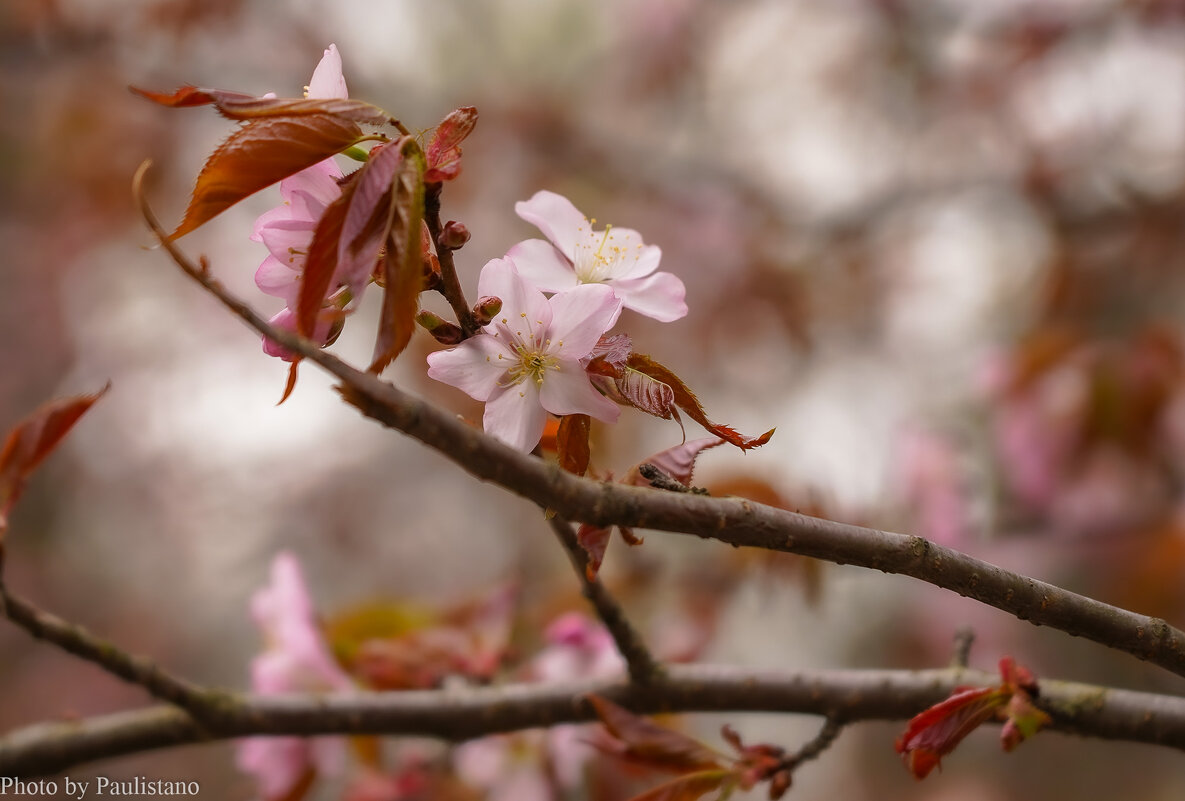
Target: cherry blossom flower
296,659
527,361
287,230
576,254
517,766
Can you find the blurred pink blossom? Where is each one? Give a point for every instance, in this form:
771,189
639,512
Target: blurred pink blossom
933,485
296,659
517,766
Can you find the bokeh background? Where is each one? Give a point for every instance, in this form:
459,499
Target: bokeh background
938,244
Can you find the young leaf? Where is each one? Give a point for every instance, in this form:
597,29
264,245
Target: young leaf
677,462
642,741
403,268
444,151
685,399
321,262
33,439
595,541
258,155
369,218
239,106
648,394
934,733
572,443
688,787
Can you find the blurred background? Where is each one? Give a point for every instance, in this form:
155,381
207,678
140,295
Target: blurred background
938,245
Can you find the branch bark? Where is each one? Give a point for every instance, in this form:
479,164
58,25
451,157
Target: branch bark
843,696
735,521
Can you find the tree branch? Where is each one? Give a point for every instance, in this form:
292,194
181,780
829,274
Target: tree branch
76,640
735,521
843,696
643,668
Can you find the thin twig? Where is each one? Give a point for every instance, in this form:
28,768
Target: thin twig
643,668
450,284
964,639
817,744
843,696
736,521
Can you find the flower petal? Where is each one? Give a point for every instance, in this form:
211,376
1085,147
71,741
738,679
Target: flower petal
541,263
637,259
278,279
288,241
556,217
328,81
476,366
525,316
660,296
318,184
515,416
579,317
566,390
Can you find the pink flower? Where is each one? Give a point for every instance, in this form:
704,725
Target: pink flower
287,230
577,254
527,362
518,766
296,659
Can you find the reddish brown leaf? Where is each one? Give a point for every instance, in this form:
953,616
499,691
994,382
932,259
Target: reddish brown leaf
677,462
239,106
610,354
648,394
572,443
444,151
935,732
33,439
403,270
369,218
685,399
258,155
595,541
290,384
688,787
642,741
320,266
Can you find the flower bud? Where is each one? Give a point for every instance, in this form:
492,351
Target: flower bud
442,331
486,308
454,236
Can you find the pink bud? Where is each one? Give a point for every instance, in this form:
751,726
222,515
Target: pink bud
454,236
486,308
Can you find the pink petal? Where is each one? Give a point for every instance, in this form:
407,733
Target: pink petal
515,416
328,81
566,390
288,241
525,315
556,217
637,259
541,264
278,279
269,218
312,189
659,296
476,366
579,317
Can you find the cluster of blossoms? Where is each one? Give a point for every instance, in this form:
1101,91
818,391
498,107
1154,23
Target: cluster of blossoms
298,659
530,359
287,230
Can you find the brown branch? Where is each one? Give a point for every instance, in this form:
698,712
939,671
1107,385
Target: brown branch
450,284
643,668
70,637
735,521
843,696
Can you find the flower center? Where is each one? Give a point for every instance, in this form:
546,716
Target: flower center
532,365
598,257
